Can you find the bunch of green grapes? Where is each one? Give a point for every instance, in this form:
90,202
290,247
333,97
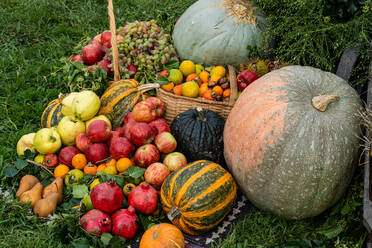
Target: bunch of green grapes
144,45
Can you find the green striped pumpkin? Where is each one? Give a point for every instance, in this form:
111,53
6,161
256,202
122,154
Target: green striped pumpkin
52,114
119,99
198,196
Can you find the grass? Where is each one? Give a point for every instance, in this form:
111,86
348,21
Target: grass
35,34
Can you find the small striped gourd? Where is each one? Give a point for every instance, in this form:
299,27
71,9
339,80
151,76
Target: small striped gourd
198,196
119,99
52,114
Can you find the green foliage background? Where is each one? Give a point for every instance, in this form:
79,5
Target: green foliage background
36,34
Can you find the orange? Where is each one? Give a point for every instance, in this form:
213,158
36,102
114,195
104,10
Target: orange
61,170
208,95
111,162
226,92
191,77
101,167
123,164
79,161
167,87
90,169
177,90
203,87
204,75
214,77
218,90
220,70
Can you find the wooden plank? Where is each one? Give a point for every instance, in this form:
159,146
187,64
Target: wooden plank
347,62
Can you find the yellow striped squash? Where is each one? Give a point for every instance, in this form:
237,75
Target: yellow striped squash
52,114
198,196
119,99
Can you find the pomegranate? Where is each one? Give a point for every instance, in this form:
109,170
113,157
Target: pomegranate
143,198
66,154
125,223
96,153
105,65
107,197
120,147
92,54
96,222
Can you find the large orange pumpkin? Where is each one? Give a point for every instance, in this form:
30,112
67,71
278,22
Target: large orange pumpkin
291,140
162,235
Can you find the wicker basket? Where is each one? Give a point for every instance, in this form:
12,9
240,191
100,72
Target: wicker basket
175,104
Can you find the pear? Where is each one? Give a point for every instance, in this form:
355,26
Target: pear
47,206
67,103
26,183
32,195
55,187
85,105
25,142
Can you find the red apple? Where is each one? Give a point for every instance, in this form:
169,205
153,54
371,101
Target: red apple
141,133
92,54
146,155
127,127
77,58
82,141
66,154
96,43
105,65
114,134
128,118
120,147
106,37
174,161
98,38
98,131
159,105
165,142
160,125
120,130
245,78
156,173
132,70
97,153
144,112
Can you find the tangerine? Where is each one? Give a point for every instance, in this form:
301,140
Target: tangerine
61,170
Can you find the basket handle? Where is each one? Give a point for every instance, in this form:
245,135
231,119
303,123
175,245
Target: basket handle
146,87
115,52
233,84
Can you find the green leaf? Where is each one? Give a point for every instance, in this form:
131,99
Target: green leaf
10,171
119,181
79,191
118,241
172,64
135,171
80,243
332,231
106,238
20,163
72,203
29,154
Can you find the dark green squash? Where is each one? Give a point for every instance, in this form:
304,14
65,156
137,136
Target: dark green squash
199,135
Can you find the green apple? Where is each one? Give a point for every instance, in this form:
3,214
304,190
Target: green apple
85,105
73,177
47,140
68,128
25,142
99,117
67,102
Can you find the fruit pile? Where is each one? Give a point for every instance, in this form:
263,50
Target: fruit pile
193,80
143,48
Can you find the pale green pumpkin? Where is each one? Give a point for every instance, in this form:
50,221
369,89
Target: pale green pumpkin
219,32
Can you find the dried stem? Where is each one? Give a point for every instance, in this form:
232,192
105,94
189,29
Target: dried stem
41,166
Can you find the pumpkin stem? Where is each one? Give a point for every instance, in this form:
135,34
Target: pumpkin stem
201,114
174,213
321,102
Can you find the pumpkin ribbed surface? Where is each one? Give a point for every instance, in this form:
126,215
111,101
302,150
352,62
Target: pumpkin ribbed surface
288,154
198,196
119,99
52,114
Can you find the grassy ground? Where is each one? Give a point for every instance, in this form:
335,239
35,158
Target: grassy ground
35,34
